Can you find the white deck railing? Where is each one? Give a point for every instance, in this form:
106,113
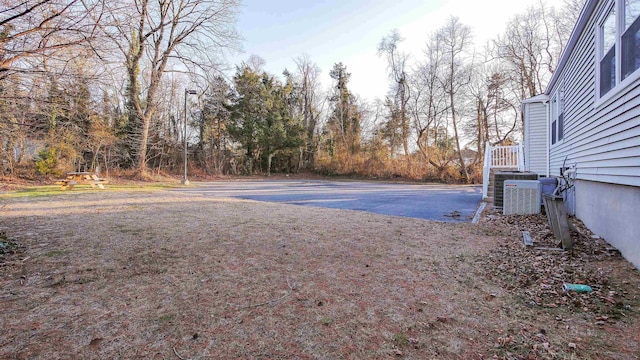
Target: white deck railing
501,157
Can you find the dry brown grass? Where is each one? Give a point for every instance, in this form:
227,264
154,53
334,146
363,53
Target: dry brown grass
162,274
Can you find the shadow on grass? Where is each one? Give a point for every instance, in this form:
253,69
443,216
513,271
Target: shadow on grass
54,190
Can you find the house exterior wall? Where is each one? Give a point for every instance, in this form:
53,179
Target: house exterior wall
535,142
601,139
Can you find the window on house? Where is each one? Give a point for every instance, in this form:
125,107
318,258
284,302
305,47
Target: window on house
631,38
554,119
608,53
561,114
557,116
618,45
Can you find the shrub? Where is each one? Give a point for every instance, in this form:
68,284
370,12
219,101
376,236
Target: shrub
47,162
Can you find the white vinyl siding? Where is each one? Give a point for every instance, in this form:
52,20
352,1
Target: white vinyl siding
536,141
601,138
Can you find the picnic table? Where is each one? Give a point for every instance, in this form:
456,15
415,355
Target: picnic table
82,177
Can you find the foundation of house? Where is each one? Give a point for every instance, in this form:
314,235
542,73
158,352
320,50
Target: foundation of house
611,212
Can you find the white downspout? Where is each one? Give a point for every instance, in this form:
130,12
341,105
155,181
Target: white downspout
548,135
527,137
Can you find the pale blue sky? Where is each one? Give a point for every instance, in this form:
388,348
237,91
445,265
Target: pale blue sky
348,31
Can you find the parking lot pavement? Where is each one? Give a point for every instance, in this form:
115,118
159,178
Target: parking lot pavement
452,203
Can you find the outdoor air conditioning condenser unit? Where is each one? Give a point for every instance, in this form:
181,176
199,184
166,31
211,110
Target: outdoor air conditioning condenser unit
501,177
521,197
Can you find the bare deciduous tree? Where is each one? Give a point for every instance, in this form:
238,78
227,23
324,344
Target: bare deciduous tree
33,29
532,43
152,35
530,48
455,41
397,63
429,103
312,103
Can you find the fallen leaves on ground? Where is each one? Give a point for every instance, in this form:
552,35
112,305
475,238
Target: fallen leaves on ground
535,275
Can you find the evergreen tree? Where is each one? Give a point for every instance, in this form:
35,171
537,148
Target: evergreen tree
344,120
261,119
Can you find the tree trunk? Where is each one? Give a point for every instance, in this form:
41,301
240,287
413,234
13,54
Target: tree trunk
455,131
142,148
269,158
403,120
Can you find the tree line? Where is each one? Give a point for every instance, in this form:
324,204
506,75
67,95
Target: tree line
87,84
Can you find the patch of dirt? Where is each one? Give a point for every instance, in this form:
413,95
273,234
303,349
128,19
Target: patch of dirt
8,249
164,274
11,183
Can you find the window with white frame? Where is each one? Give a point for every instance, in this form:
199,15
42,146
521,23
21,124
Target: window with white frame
608,52
618,47
631,38
561,113
557,116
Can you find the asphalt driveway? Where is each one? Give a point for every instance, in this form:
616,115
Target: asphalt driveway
452,203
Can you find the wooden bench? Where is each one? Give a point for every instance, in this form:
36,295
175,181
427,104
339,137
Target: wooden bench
76,178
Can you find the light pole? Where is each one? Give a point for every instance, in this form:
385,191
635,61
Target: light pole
186,92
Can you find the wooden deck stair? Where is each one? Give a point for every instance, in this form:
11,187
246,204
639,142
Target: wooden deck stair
492,176
499,158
